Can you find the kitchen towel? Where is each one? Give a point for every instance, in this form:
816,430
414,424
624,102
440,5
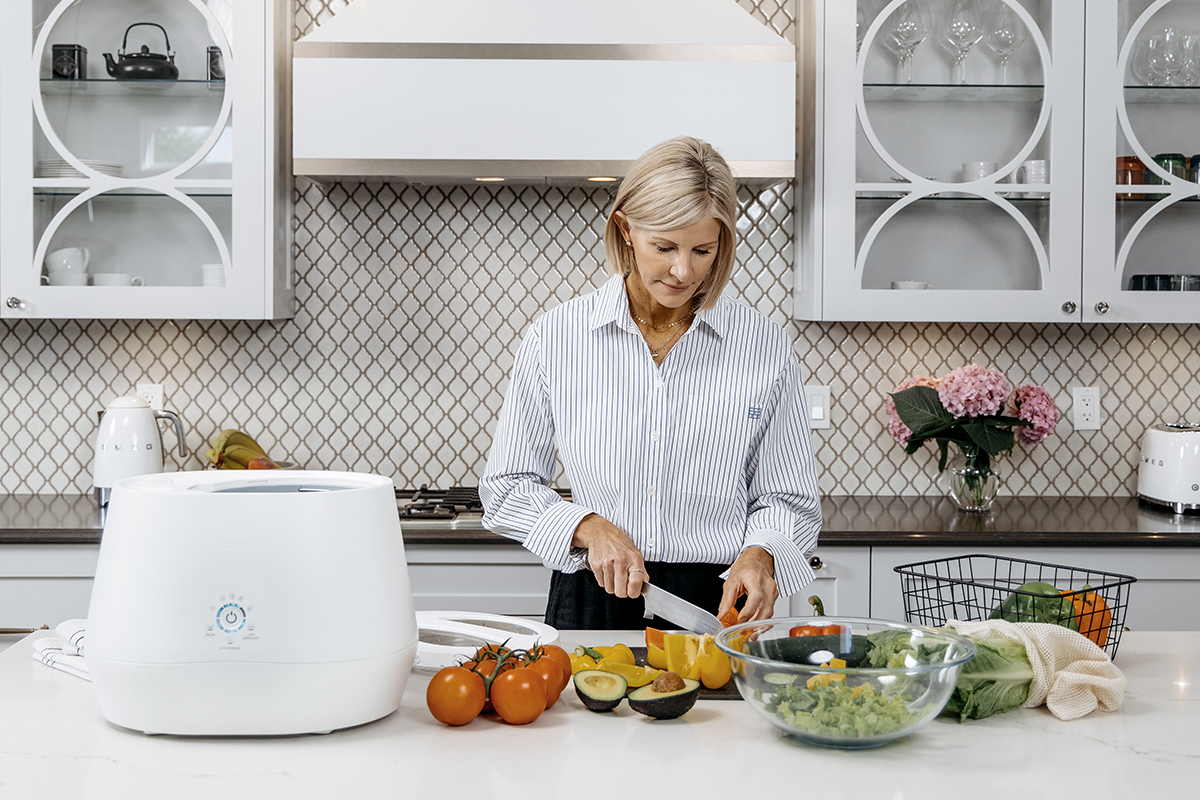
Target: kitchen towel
65,651
1072,675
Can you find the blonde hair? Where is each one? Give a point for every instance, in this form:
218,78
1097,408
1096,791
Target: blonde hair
672,185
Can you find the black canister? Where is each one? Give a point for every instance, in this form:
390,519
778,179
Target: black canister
68,62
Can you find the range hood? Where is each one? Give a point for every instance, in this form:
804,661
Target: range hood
451,91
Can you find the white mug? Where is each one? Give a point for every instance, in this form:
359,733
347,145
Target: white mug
116,279
975,170
74,259
61,277
1034,171
910,285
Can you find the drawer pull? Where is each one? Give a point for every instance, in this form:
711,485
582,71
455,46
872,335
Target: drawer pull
816,563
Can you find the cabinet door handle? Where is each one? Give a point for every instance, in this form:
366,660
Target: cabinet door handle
14,302
1102,307
816,563
1068,307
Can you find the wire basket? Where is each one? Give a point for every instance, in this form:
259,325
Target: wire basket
972,587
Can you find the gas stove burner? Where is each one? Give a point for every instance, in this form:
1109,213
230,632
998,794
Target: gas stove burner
427,503
437,509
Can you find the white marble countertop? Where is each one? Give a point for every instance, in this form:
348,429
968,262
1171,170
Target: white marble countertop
54,743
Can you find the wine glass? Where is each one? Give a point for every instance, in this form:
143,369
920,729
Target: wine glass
1190,73
961,30
1172,54
906,28
1147,60
866,13
1005,33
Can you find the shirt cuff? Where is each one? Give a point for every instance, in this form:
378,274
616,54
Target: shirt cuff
792,571
550,539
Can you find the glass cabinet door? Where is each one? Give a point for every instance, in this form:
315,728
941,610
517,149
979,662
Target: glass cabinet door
138,187
1142,218
951,161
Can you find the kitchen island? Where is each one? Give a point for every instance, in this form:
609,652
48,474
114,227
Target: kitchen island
55,743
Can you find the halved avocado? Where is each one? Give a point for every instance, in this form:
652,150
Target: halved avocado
668,704
600,690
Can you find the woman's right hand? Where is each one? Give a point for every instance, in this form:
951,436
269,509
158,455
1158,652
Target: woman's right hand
612,556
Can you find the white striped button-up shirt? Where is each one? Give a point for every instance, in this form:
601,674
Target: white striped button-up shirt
696,459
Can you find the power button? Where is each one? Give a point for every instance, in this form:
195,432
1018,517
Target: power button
231,618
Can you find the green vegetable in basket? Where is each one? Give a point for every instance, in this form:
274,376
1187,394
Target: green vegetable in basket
1037,602
996,680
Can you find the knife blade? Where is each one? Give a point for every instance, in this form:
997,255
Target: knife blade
684,614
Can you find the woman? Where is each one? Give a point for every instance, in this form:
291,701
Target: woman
677,413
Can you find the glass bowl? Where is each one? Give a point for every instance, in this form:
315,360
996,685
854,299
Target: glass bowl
795,683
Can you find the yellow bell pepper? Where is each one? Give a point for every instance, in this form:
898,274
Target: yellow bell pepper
635,676
579,663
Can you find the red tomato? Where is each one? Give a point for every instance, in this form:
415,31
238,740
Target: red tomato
551,673
519,695
564,661
833,629
805,630
455,695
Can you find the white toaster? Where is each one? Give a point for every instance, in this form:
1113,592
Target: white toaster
250,603
1169,469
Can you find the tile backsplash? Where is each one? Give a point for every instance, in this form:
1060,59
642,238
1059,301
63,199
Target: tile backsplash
411,302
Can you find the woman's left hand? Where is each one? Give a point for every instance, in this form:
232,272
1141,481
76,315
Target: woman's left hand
752,574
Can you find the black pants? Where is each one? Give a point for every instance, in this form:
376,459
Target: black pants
577,602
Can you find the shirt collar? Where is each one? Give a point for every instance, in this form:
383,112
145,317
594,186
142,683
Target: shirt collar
612,307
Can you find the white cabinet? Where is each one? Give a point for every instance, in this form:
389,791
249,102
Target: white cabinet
173,192
1142,136
44,584
1164,598
993,199
843,582
500,579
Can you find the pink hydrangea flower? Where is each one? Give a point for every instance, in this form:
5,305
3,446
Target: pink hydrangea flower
974,391
1034,405
896,428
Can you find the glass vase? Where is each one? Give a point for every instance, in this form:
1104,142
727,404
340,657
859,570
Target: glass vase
972,486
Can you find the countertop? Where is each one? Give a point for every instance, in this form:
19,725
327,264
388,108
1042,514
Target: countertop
849,520
55,743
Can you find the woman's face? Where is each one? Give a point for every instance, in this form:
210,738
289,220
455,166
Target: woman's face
671,264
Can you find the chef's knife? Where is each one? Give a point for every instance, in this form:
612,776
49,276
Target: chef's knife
681,612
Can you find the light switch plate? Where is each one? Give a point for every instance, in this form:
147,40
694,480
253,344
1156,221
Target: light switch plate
818,406
153,394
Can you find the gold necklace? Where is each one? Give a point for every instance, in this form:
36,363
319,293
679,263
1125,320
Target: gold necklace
669,325
662,348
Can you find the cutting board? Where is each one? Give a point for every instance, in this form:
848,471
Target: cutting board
727,692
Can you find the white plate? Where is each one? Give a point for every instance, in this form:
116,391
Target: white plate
446,638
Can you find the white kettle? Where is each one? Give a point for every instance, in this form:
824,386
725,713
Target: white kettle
129,443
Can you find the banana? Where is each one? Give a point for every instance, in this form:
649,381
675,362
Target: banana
233,449
239,455
233,436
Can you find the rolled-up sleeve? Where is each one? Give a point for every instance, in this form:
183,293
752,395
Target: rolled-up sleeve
517,500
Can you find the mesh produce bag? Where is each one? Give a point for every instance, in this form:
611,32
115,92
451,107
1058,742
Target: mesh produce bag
1071,674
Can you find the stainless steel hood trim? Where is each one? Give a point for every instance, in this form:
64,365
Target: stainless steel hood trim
492,51
500,168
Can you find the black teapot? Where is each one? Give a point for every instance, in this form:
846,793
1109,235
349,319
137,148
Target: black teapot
143,65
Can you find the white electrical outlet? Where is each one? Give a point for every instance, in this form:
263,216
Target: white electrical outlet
1085,410
152,393
818,406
